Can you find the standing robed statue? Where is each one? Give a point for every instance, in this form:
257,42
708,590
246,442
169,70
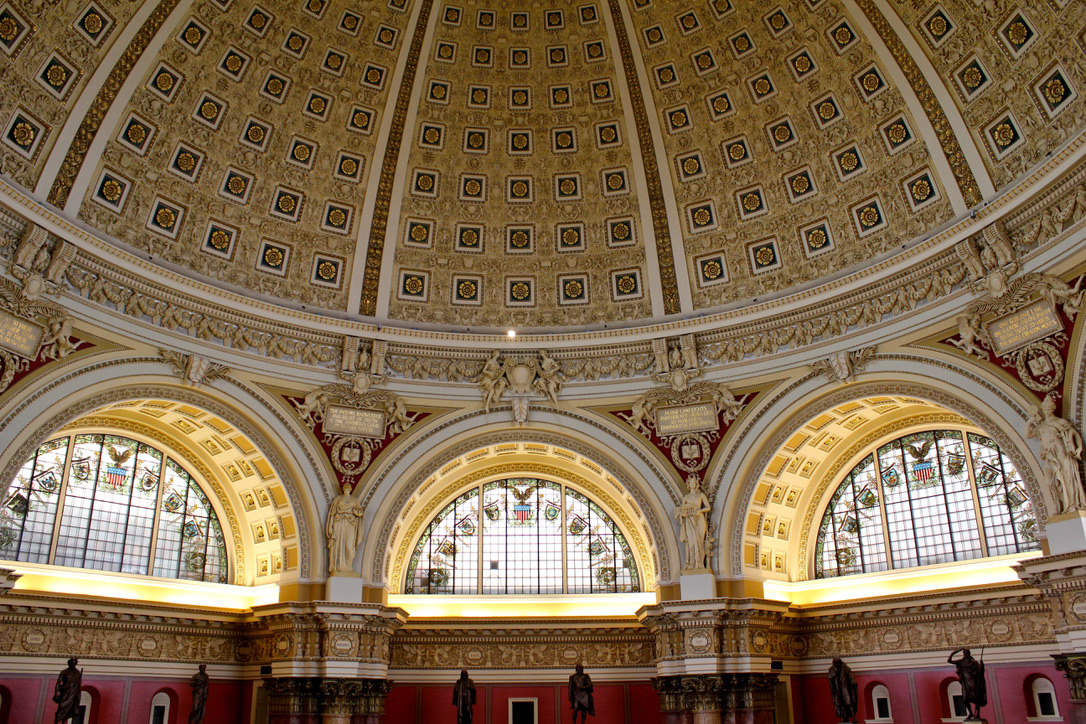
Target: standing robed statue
971,677
200,683
464,698
580,695
66,694
843,690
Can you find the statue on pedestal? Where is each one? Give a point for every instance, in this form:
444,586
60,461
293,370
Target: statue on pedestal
344,531
843,690
694,526
464,698
580,695
66,694
199,683
1061,453
971,677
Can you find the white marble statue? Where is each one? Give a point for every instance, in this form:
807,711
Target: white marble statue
344,530
1061,454
694,525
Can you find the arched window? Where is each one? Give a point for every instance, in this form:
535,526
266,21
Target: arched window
1045,707
160,709
925,498
123,507
958,710
880,704
522,536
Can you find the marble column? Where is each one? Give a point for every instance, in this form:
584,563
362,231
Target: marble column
705,700
1073,667
674,704
749,699
339,700
371,708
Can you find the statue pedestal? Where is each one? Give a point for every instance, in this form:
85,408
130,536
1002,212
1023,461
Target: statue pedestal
1066,532
343,588
697,585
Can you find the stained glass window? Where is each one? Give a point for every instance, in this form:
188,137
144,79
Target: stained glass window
926,498
522,536
123,507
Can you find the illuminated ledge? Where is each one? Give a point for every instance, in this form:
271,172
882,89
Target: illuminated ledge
966,574
451,606
99,584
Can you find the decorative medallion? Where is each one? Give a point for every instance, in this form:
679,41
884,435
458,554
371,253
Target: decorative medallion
782,133
896,134
445,52
588,14
704,61
432,135
111,190
761,87
654,36
690,166
482,56
1053,91
800,184
572,289
472,188
186,162
764,256
848,162
236,185
561,96
826,110
302,152
165,217
615,182
519,142
665,76
137,133
469,237
802,65
620,232
520,58
350,22
778,22
327,271
337,218
594,51
519,239
479,96
25,133
751,203
58,76
712,269
419,233
721,7
1016,35
275,86
688,22
567,187
193,35
424,183
741,44
315,8
720,105
273,258
258,21
557,57
626,285
373,76
520,291
287,204
678,119
15,30
94,23
920,190
936,27
485,20
518,189
842,36
736,151
869,82
1002,135
564,140
600,91
348,167
816,238
209,111
701,217
295,43
255,134
971,78
334,63
219,239
164,82
518,21
554,19
520,98
868,216
234,63
467,290
569,237
476,140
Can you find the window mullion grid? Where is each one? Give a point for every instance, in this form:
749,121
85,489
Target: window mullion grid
29,490
155,519
974,489
128,508
1006,500
909,497
946,502
482,538
859,527
886,540
562,539
65,472
93,500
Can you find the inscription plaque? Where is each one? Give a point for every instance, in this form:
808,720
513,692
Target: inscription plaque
352,421
20,336
680,419
1029,324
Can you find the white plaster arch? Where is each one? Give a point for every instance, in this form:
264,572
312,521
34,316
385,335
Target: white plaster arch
981,399
53,402
389,489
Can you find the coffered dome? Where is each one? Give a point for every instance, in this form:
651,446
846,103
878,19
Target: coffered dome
538,165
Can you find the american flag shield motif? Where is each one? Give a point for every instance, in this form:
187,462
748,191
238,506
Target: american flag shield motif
115,476
923,470
522,511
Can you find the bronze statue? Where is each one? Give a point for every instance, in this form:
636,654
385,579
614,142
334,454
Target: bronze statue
66,694
464,698
843,690
580,695
971,677
199,684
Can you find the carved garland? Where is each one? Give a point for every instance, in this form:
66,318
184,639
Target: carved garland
422,517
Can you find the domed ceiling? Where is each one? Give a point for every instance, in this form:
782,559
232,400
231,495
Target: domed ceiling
538,165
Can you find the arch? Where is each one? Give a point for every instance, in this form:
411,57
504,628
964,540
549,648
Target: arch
951,700
1039,694
877,702
625,480
5,704
58,402
954,390
166,701
90,701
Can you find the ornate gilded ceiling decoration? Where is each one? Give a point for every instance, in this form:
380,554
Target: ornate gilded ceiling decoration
546,167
